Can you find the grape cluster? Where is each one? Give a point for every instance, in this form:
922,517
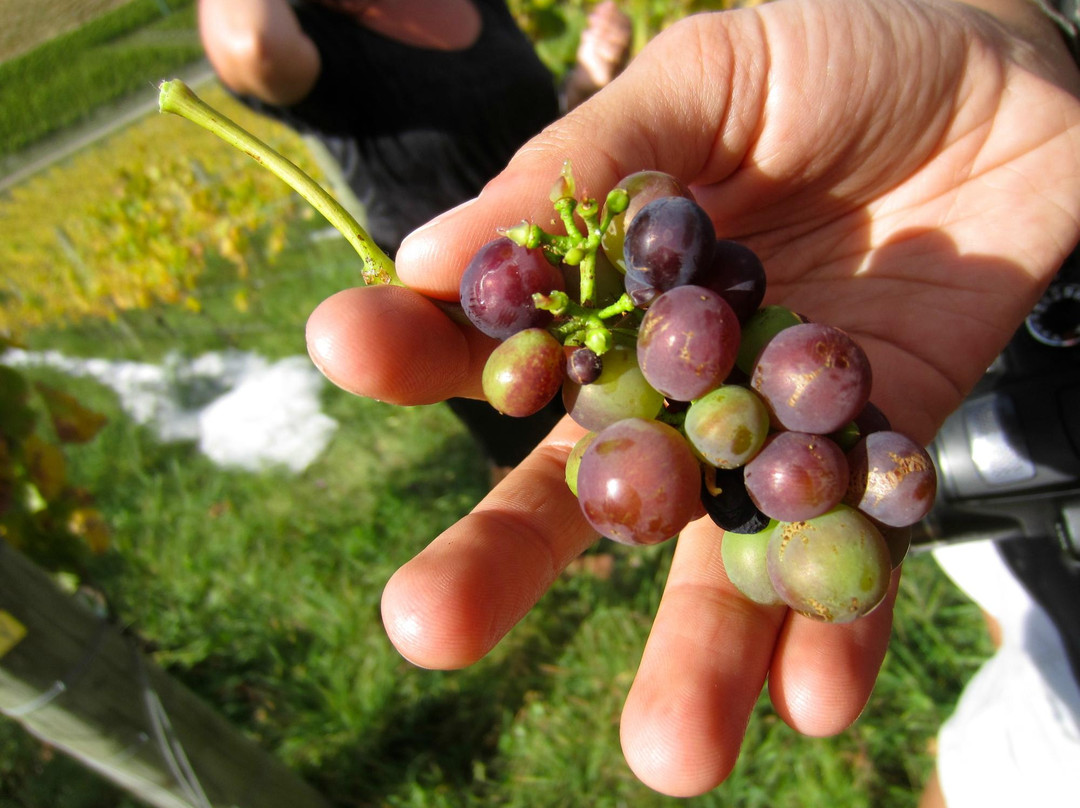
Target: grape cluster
697,397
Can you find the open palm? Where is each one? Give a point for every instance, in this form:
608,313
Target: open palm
908,171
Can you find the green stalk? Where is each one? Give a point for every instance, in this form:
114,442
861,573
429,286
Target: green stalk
177,98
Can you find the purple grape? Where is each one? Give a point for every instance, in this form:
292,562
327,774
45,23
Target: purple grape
687,342
669,243
498,286
727,503
834,568
640,292
524,372
797,476
872,419
738,275
583,366
638,482
642,187
898,540
814,378
892,479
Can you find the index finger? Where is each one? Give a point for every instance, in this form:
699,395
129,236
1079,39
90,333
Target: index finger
451,604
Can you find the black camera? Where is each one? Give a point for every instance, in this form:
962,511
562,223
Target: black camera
1009,458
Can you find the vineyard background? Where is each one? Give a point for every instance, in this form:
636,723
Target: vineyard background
259,590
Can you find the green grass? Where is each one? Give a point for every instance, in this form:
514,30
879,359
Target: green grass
62,81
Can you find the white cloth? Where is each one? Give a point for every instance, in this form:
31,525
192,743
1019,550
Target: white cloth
1014,738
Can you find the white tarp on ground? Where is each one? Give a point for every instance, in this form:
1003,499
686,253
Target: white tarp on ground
243,410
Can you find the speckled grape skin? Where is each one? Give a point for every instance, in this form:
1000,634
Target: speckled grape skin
834,568
797,476
687,342
815,378
638,482
892,479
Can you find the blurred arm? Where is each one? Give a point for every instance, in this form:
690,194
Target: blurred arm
258,48
1026,19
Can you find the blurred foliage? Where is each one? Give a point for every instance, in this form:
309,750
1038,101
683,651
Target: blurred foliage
42,513
135,220
555,27
62,81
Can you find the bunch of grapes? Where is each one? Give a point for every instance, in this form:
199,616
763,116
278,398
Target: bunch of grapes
698,397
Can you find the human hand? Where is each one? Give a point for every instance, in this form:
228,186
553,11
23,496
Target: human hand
602,52
908,171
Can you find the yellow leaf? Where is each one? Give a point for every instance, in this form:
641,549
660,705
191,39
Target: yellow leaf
90,526
46,466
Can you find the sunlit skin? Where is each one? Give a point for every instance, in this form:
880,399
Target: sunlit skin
906,171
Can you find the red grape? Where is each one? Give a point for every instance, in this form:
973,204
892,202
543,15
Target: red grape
638,482
687,342
498,286
815,378
892,479
524,372
797,476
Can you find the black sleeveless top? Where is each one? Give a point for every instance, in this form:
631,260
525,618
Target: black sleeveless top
415,130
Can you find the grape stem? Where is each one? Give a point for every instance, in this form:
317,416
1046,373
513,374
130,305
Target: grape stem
177,98
581,322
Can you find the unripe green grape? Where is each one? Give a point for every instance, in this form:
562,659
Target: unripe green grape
834,567
727,426
619,392
763,325
573,460
745,562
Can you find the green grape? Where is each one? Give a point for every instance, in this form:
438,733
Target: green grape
763,325
619,392
727,426
744,556
573,460
834,567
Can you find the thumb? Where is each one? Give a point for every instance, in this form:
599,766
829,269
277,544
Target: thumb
671,110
